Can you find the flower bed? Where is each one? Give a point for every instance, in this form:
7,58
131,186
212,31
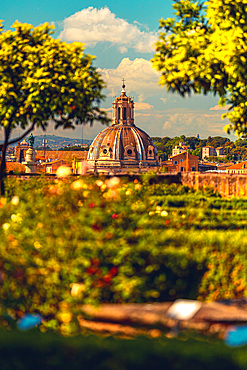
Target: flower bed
67,241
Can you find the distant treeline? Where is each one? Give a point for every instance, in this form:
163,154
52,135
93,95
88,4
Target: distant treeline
232,150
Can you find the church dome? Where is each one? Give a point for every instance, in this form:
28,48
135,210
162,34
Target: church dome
122,145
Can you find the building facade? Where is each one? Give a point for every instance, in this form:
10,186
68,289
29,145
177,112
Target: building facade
183,162
238,168
182,147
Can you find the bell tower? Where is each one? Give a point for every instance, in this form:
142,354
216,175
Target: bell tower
123,109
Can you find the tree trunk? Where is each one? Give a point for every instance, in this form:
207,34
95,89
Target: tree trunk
3,160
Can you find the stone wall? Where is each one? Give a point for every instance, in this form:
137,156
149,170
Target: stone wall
228,185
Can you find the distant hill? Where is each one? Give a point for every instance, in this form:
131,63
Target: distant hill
56,142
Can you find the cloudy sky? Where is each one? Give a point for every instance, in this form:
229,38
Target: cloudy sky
121,34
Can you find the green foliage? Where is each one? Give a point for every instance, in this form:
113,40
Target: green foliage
231,150
202,50
46,351
66,242
43,79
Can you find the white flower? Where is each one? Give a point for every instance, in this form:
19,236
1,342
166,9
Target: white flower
77,288
128,192
15,200
77,185
113,182
5,226
63,171
99,183
16,217
164,213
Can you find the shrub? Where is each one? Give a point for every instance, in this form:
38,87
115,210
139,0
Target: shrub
90,240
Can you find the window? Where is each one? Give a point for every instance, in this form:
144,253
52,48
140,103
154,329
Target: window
193,169
129,151
181,160
105,151
181,169
175,162
124,114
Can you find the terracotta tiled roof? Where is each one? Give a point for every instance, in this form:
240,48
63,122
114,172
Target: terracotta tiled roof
179,155
62,154
15,167
238,166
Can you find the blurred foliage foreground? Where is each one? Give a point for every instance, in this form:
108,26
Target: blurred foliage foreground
33,350
73,241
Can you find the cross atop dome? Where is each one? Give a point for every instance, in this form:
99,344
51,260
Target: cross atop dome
123,85
123,92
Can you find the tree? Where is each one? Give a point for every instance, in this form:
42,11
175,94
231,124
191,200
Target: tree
203,50
43,79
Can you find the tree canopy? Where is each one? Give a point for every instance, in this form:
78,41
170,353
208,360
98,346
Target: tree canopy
203,49
43,79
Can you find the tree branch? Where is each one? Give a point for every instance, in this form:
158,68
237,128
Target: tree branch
22,136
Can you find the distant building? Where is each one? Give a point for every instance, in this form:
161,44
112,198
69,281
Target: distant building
207,167
20,151
210,151
51,167
183,162
14,167
238,168
182,147
220,151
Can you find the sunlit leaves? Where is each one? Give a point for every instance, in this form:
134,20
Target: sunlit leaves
41,77
204,49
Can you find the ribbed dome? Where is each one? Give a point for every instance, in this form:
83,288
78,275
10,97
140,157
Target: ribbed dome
123,145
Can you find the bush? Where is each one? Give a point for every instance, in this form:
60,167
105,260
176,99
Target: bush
66,242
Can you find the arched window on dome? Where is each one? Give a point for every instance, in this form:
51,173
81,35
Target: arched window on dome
129,152
150,152
105,152
118,114
124,113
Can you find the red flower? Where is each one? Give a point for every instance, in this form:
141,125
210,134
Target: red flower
114,216
93,270
107,278
91,205
167,222
113,271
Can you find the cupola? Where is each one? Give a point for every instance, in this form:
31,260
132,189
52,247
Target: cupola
123,145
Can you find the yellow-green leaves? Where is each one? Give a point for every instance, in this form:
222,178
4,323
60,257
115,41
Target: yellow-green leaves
41,76
205,50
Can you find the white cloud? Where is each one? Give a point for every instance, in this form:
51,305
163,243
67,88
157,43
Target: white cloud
143,106
123,49
140,77
92,25
219,107
192,123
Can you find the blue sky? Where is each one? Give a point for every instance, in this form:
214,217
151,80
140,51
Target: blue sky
121,35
